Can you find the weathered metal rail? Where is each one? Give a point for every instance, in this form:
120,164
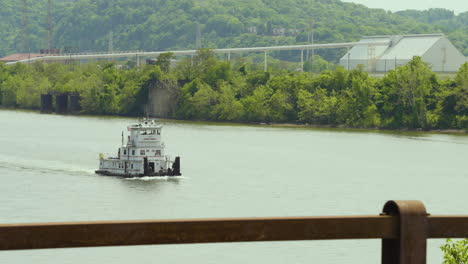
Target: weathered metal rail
404,227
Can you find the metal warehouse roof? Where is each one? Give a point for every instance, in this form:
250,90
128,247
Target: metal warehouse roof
410,46
400,47
363,52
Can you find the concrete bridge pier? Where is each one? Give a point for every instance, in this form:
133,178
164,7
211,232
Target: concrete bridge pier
75,103
61,103
162,99
46,103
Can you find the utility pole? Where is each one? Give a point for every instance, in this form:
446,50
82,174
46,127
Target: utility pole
110,48
50,26
26,26
312,40
198,42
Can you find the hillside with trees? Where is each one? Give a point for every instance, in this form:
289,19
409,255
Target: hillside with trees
88,25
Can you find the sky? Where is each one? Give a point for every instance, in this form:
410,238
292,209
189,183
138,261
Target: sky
458,6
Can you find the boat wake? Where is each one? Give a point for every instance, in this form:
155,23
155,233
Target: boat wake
155,178
53,168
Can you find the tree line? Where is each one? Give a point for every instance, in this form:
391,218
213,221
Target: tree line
208,88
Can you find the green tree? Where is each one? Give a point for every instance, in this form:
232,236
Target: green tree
218,72
228,107
90,97
257,105
9,90
186,108
224,25
316,64
280,107
203,102
316,107
203,61
455,252
406,91
29,93
357,107
461,81
164,61
461,95
127,99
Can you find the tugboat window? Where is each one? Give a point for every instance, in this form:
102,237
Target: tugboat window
142,152
125,152
159,132
158,152
133,152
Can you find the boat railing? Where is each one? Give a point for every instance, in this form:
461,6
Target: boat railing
403,227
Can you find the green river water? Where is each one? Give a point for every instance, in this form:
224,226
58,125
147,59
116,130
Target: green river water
47,165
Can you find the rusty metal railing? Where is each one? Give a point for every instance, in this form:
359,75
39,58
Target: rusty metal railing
404,227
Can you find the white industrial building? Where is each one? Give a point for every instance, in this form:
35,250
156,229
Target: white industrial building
434,49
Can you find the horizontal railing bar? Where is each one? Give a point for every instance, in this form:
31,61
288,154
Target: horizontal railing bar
448,226
124,233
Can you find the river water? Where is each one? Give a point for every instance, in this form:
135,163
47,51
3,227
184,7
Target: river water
47,164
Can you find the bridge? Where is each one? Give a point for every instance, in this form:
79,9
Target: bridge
154,54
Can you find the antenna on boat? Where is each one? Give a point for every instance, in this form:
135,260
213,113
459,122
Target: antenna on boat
122,139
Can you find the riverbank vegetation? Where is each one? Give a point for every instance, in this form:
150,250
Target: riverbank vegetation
410,97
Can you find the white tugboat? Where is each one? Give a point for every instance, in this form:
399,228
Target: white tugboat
143,155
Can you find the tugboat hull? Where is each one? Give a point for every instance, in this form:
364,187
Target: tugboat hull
163,174
175,171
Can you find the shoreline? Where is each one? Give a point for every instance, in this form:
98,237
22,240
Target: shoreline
402,130
335,128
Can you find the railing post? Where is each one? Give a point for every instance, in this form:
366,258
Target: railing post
410,246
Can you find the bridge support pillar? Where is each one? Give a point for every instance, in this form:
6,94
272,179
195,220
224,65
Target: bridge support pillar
349,55
302,60
75,103
46,103
61,105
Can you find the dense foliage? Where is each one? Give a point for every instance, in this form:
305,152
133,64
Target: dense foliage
86,25
211,89
455,252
